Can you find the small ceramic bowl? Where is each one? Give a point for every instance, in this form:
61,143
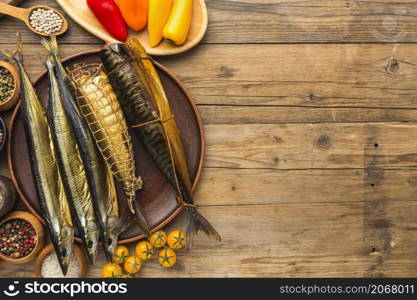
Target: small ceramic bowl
82,260
39,232
3,129
14,98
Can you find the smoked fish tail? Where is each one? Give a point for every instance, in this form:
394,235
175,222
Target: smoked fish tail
52,46
196,221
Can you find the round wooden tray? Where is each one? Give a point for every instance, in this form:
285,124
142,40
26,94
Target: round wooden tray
156,198
78,10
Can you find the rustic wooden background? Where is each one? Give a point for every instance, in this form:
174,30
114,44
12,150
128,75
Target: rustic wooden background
310,111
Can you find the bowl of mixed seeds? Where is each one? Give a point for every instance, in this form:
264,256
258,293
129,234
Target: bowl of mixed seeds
9,86
21,237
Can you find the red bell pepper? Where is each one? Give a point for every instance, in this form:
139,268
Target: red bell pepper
109,15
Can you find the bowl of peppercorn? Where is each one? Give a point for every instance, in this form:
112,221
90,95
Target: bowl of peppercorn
9,86
21,237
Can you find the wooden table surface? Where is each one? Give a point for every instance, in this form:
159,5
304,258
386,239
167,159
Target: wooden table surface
310,112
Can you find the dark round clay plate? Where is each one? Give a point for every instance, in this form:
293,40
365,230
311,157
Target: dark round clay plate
157,198
3,140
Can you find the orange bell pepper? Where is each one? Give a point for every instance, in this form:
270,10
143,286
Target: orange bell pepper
135,13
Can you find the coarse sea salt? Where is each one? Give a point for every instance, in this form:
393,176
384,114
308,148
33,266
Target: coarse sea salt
52,269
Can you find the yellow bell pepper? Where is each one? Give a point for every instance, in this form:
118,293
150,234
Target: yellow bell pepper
179,22
159,11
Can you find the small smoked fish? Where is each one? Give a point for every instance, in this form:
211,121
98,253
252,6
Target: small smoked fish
139,89
101,110
70,166
48,183
99,177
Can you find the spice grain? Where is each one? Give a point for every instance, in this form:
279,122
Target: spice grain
6,84
51,269
46,21
17,238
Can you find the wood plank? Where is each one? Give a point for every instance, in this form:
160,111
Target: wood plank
268,114
301,75
312,146
295,241
253,146
228,187
12,2
295,21
279,21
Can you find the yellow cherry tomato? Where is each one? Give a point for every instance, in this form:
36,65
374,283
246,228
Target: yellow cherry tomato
158,239
144,250
167,258
176,239
132,264
111,270
120,254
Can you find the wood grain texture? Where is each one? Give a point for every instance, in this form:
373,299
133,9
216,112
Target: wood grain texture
239,187
310,147
340,75
344,83
297,21
308,241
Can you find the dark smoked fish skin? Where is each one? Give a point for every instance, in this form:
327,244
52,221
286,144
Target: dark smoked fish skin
138,110
100,180
131,81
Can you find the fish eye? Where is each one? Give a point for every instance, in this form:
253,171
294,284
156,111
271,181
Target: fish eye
109,242
64,252
89,243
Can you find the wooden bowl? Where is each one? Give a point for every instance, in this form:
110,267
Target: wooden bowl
50,248
157,199
38,231
78,10
14,98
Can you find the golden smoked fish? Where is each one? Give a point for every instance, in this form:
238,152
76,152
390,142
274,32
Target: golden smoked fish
99,177
71,167
48,183
101,110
